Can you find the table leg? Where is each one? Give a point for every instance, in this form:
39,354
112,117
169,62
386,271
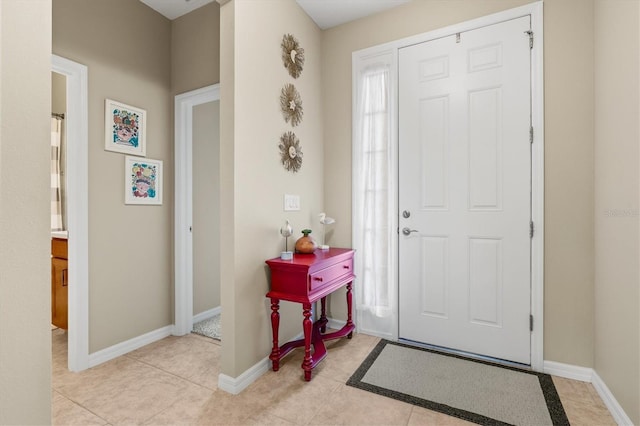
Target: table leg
307,325
275,324
349,306
323,314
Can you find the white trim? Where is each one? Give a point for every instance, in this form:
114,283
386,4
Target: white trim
77,125
537,187
183,250
240,383
338,324
535,11
610,401
335,324
568,371
236,385
127,346
589,375
207,314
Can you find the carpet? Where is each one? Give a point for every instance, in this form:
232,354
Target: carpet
209,327
476,391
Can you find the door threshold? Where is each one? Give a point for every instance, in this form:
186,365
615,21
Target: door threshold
464,354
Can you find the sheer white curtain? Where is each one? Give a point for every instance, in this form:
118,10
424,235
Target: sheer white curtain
56,195
373,216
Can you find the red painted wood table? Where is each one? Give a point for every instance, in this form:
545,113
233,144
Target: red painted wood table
306,279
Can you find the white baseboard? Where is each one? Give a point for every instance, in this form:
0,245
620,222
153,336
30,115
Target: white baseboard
125,347
589,375
335,324
574,372
236,385
207,314
610,401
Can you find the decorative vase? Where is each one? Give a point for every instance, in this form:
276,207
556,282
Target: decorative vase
306,244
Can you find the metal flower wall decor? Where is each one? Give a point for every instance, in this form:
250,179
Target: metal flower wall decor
292,55
291,104
290,152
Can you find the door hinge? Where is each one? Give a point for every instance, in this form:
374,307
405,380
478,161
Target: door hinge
530,34
531,134
531,229
530,322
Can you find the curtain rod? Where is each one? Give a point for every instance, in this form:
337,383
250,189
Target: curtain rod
57,115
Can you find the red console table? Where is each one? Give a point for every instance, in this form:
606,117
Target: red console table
305,279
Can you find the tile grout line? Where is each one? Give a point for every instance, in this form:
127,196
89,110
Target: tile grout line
169,372
146,421
106,422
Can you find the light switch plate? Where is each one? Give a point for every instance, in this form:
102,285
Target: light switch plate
291,203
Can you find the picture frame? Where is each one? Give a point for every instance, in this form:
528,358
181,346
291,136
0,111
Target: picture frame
142,181
125,128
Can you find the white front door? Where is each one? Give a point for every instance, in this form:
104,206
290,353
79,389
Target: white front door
465,191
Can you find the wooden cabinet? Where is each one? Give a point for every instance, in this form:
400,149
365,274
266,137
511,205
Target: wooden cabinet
59,282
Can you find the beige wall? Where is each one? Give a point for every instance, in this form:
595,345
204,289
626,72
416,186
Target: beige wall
206,206
617,288
569,249
569,243
227,187
259,180
58,93
195,49
25,289
130,247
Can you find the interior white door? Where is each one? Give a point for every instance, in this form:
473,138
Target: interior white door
465,191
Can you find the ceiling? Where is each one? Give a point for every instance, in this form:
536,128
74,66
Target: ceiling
173,9
330,13
325,13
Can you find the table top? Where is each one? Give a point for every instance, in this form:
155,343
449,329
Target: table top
309,259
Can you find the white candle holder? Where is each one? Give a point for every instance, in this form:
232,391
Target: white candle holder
324,220
286,230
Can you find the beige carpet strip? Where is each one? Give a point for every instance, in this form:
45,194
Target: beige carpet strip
473,390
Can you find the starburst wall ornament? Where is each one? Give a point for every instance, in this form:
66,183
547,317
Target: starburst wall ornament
292,55
290,152
291,104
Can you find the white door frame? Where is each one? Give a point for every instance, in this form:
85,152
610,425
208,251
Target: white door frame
183,248
77,125
535,11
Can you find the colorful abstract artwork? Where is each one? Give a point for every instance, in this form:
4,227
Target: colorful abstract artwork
125,128
143,181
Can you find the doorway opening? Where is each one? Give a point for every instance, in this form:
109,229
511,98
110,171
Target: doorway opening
197,272
77,218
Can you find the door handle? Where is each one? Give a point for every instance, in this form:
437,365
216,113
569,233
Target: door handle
407,231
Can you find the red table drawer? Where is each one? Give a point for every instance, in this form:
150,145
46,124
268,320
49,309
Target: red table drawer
309,277
326,276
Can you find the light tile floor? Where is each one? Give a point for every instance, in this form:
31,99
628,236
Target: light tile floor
174,382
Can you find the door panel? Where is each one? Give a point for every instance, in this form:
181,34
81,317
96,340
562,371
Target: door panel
465,178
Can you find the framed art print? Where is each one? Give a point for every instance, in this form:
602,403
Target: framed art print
142,181
125,128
